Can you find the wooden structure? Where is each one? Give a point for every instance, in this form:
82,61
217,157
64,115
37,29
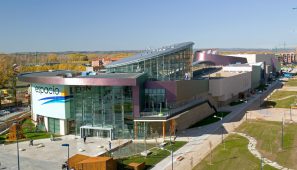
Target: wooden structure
15,132
83,162
96,163
136,166
75,159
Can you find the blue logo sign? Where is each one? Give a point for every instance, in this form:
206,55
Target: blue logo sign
55,99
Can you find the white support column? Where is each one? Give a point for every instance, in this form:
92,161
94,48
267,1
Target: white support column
46,123
63,127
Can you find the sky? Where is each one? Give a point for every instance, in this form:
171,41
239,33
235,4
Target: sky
103,25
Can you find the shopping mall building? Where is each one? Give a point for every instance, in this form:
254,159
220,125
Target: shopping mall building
151,94
148,94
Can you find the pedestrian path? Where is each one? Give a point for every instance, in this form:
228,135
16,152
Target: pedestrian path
283,98
200,138
252,148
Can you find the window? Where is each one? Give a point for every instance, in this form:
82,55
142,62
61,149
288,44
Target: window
54,125
154,99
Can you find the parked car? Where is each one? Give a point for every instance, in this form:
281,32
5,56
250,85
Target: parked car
2,112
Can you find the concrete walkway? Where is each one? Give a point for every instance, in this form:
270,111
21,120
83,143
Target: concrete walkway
283,98
200,138
273,114
289,88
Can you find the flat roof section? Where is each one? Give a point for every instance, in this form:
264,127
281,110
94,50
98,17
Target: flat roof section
224,74
150,54
65,77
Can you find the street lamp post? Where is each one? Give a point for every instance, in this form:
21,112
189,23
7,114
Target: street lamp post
260,100
261,163
17,140
283,133
171,152
221,128
67,145
291,112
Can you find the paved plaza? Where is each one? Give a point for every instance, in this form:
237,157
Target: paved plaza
52,155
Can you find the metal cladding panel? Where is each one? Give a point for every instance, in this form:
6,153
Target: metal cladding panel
169,86
218,59
136,101
81,81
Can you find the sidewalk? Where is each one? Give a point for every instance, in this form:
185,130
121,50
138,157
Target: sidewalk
199,138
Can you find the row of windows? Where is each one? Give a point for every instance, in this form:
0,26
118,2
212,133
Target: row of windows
169,67
154,91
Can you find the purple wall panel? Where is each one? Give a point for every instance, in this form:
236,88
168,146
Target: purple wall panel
169,86
218,59
136,101
81,81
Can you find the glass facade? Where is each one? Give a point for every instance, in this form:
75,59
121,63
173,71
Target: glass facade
103,106
54,125
172,66
154,99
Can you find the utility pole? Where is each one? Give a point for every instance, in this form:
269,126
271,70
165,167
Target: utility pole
282,133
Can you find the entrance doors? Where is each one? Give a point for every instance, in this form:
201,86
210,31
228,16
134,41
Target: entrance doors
96,132
54,125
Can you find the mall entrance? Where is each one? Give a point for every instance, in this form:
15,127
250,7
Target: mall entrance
100,132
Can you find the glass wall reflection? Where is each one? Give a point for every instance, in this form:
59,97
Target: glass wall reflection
164,67
105,107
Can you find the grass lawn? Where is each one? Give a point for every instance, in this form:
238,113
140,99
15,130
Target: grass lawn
292,82
286,103
236,156
281,94
156,156
29,131
268,136
2,139
210,119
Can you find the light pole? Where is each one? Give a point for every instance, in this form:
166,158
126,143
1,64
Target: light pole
221,128
17,140
66,144
291,112
283,133
260,100
261,163
171,152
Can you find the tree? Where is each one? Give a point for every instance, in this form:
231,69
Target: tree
6,70
51,58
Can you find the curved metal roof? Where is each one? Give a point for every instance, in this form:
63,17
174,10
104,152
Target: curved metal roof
102,79
150,54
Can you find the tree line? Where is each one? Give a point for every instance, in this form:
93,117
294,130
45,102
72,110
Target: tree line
33,62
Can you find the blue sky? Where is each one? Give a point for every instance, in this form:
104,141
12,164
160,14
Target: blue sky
61,25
